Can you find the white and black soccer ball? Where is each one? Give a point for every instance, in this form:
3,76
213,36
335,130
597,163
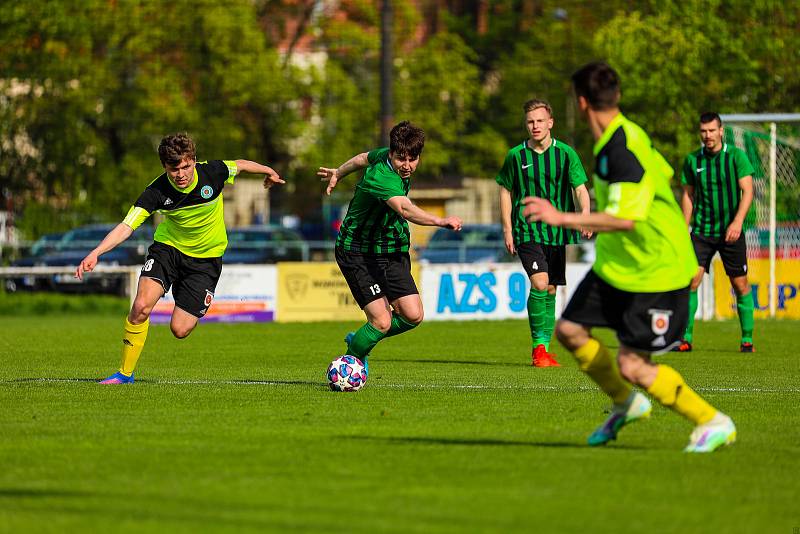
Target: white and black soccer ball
346,373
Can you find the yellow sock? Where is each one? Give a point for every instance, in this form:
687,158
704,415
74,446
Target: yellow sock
670,390
132,345
595,360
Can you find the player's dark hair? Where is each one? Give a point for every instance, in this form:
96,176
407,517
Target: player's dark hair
599,84
709,116
175,148
405,139
536,103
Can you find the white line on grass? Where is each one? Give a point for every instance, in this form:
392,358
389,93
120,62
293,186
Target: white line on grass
415,386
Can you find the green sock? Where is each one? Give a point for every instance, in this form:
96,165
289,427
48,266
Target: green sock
399,325
549,319
687,336
744,305
364,341
537,316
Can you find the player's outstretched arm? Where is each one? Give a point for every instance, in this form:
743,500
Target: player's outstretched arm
270,176
582,196
117,235
539,209
332,176
417,215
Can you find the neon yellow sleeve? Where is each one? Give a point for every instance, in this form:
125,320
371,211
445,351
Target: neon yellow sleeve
233,170
136,216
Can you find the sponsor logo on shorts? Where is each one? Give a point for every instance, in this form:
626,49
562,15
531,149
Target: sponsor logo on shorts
208,299
659,321
206,191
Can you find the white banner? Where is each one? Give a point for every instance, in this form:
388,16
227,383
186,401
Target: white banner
486,291
244,293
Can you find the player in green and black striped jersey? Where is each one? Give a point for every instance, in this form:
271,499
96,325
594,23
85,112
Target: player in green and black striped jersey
717,193
372,246
544,167
188,244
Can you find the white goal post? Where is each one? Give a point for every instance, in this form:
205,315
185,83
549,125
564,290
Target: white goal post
781,169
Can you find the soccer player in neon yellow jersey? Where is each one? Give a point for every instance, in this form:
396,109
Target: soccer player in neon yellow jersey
639,283
188,245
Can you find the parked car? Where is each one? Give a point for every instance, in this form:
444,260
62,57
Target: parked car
475,242
77,243
263,244
44,245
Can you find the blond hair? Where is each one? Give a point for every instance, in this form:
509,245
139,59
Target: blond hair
535,103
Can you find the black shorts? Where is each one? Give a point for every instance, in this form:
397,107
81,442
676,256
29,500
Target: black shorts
550,259
734,255
645,322
193,280
374,276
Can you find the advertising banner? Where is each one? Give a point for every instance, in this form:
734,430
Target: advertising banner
245,293
316,292
485,291
787,280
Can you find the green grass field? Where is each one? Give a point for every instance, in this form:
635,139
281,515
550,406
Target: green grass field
233,429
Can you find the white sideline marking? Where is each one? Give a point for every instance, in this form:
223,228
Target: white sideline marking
416,386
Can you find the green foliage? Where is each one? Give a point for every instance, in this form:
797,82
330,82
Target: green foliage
438,87
673,67
43,218
96,88
87,93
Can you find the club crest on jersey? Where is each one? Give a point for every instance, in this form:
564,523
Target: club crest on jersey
206,191
208,299
659,321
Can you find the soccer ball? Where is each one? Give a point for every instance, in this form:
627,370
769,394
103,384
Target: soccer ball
346,373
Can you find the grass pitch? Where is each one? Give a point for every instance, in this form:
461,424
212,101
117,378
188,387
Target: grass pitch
233,429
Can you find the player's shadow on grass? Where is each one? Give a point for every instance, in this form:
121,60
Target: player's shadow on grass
458,362
51,379
732,351
267,382
481,442
198,381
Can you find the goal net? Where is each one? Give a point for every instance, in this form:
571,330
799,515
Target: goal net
772,228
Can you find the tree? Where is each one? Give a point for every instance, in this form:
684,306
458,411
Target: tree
88,94
678,59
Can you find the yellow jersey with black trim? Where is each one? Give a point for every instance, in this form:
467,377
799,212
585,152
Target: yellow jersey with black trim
193,217
632,181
